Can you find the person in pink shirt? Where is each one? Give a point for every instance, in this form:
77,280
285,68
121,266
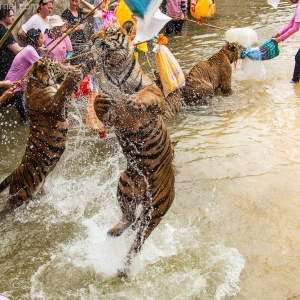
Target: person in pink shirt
177,10
289,29
54,34
20,66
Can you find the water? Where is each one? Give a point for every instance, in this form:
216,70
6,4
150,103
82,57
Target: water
233,229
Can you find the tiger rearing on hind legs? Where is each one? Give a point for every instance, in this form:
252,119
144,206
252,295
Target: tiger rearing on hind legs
133,104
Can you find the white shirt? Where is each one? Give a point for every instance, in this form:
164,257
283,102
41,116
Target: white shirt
35,22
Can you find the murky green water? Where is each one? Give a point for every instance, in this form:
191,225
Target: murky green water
233,230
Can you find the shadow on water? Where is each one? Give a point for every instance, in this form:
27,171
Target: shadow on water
232,231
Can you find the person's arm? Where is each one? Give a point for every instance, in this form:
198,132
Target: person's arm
5,84
15,48
287,27
21,33
6,95
289,32
88,6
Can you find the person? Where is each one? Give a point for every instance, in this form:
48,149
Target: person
97,18
53,35
10,47
38,20
289,29
75,15
7,84
176,9
20,66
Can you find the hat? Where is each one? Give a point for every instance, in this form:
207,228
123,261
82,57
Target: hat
54,21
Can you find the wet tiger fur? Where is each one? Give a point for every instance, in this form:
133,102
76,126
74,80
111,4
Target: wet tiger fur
208,76
49,88
134,105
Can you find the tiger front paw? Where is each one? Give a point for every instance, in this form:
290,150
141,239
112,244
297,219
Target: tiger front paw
118,229
74,76
102,104
102,107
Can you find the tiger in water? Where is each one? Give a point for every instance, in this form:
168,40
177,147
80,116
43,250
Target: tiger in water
49,88
134,105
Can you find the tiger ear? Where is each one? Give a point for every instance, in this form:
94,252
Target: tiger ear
128,26
43,65
232,46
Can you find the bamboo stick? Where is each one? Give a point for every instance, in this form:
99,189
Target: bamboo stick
13,25
76,56
148,61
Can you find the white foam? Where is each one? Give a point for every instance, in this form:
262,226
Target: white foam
253,69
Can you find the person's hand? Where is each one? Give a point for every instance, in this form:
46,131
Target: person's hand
80,27
275,36
6,84
42,48
277,40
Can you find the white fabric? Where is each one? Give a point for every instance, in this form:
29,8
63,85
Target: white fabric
35,22
274,3
146,31
55,21
245,36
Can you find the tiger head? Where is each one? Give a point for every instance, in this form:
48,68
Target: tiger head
233,51
112,46
47,72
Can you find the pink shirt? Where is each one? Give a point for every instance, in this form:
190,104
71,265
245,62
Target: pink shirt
292,27
173,8
60,51
21,64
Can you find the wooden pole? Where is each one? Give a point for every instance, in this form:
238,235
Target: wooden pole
148,61
13,25
76,56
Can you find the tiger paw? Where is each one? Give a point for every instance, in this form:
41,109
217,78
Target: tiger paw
75,76
102,104
118,229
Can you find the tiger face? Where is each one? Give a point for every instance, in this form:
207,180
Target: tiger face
48,72
112,46
233,51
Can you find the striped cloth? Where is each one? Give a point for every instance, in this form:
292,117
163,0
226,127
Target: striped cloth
265,51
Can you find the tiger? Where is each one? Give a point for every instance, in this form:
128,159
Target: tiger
134,105
50,86
212,74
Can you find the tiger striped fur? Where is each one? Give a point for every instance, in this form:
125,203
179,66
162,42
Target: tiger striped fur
49,88
134,105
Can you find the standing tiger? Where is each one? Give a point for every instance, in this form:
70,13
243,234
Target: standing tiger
50,86
133,104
